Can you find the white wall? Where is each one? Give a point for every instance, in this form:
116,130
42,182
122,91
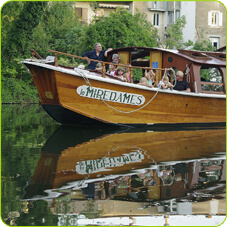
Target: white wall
189,10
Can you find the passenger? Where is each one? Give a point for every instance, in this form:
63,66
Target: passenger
143,81
165,84
120,73
181,85
112,70
96,54
116,58
150,76
127,74
99,67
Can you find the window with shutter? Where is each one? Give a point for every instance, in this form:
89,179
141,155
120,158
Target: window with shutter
214,18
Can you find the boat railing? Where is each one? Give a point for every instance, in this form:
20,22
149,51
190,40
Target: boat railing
34,53
111,63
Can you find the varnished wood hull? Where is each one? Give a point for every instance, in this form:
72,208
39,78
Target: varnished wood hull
116,154
69,159
61,95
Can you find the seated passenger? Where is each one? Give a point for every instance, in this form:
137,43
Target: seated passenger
143,81
127,74
165,84
98,67
181,85
112,70
150,76
120,75
116,58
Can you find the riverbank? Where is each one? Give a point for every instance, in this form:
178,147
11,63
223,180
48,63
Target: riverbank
14,91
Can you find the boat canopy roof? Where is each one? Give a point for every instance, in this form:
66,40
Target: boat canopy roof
198,57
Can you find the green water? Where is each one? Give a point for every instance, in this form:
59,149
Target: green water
24,131
31,197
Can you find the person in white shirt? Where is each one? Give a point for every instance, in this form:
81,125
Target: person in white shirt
112,70
165,84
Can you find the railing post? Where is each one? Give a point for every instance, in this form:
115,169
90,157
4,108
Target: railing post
155,78
131,76
55,59
103,70
129,184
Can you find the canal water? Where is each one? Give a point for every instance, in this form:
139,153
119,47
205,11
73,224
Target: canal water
56,175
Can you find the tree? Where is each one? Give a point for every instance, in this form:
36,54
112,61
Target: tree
201,44
174,34
59,29
37,25
20,34
120,29
10,13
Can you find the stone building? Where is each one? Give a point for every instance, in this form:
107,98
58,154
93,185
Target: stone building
210,22
204,18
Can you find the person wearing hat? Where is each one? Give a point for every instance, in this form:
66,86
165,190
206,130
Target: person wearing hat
181,85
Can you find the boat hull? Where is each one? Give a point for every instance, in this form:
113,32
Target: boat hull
64,161
80,98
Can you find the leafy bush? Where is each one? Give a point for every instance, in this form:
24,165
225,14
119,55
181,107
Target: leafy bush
16,91
120,29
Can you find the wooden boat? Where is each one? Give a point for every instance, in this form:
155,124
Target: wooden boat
79,96
69,158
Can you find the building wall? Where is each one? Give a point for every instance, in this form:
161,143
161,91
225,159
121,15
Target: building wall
188,8
204,21
198,16
85,11
153,10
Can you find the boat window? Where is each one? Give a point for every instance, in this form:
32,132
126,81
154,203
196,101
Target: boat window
211,79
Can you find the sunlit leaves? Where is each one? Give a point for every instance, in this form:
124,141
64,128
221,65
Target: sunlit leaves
120,29
174,34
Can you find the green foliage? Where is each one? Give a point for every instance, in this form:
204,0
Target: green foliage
19,20
20,33
174,34
94,6
188,43
67,61
70,44
24,131
212,74
18,91
28,26
137,74
120,29
10,12
38,215
203,45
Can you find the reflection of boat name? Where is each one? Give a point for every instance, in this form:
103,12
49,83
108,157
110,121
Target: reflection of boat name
93,166
110,95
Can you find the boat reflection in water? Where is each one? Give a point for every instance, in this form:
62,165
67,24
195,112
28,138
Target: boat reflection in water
132,174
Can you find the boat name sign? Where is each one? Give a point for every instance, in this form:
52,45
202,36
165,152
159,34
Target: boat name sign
105,163
110,95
